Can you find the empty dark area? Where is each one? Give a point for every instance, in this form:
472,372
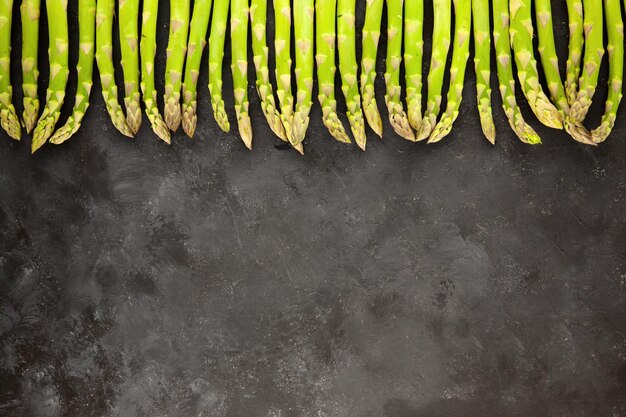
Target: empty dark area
201,279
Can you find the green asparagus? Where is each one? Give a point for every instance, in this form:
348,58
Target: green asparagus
505,74
348,68
371,35
58,44
460,55
397,116
325,11
258,19
216,57
30,46
282,47
84,69
195,47
482,66
550,64
442,11
594,50
8,118
521,32
104,58
147,50
413,58
615,48
176,49
303,24
129,46
575,48
239,67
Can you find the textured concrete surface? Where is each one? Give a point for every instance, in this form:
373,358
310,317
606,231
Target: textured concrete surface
200,279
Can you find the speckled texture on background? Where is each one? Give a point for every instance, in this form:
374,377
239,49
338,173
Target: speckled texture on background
200,279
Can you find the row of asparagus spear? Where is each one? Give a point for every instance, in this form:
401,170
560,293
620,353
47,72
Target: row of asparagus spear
322,30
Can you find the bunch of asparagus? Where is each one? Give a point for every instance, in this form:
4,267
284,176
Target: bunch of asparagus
323,34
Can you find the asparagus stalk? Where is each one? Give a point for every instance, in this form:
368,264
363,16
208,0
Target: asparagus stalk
258,19
460,55
348,68
8,118
216,52
147,49
29,11
325,11
594,50
282,46
56,11
615,48
442,23
176,49
397,116
550,64
482,66
104,59
197,41
303,24
575,48
84,69
505,74
371,35
239,67
129,46
413,57
521,32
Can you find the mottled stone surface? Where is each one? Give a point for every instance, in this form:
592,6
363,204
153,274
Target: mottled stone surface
200,279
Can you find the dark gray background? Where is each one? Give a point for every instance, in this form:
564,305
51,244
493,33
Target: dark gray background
202,279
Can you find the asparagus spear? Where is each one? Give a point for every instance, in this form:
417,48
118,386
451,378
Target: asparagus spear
325,11
282,46
129,46
460,55
442,10
550,64
56,11
104,59
195,47
258,18
615,48
216,52
482,65
147,49
8,118
239,50
348,68
84,69
575,48
594,50
397,116
413,57
30,47
371,35
303,24
521,32
505,74
176,49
